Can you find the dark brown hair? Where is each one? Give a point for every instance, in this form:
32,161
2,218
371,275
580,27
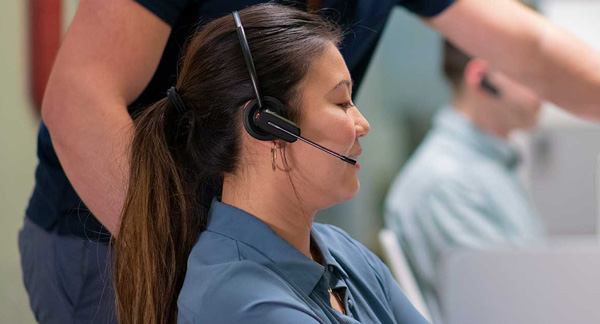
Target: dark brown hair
455,62
178,160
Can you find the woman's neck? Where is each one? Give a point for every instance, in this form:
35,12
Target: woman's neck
277,206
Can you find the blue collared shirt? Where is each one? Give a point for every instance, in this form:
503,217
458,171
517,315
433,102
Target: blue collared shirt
460,189
240,271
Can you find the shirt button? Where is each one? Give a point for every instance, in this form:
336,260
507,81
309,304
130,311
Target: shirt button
350,304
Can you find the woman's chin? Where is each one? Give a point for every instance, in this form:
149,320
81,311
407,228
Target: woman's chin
343,193
350,192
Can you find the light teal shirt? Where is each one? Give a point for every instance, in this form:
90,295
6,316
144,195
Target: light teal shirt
240,271
460,189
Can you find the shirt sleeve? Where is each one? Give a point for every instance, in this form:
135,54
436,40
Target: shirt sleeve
168,11
426,8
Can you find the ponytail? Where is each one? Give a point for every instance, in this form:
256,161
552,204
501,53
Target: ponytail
158,223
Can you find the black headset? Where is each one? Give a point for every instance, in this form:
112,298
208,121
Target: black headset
489,87
264,117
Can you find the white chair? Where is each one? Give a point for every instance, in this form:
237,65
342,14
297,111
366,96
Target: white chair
401,270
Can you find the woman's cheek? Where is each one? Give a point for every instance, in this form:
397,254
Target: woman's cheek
347,134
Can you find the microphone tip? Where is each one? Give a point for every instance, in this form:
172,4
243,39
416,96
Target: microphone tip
349,160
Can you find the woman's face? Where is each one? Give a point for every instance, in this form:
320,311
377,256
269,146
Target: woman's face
329,118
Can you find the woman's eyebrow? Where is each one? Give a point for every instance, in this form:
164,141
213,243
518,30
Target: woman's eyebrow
347,83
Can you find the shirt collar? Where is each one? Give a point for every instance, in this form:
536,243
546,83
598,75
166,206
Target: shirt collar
449,121
248,229
329,261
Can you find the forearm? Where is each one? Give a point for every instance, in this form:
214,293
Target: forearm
528,48
570,70
91,137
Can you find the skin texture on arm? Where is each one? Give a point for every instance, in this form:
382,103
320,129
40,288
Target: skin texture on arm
107,58
530,49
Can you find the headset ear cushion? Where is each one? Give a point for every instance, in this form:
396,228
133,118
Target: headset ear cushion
252,109
249,112
274,105
489,87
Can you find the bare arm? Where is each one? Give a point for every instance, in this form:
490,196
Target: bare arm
107,58
529,48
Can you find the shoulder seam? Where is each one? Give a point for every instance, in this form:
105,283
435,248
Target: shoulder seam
237,245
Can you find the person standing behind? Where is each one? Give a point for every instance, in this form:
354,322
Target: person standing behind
460,188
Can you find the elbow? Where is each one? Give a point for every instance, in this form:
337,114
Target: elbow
51,109
65,92
61,105
59,110
58,96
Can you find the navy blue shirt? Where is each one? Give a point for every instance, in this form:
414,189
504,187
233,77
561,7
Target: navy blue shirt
240,271
54,200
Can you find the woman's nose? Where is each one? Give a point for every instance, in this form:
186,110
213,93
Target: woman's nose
362,125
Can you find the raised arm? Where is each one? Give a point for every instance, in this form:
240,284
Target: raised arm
529,48
107,58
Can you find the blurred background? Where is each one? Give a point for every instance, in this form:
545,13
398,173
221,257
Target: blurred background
403,89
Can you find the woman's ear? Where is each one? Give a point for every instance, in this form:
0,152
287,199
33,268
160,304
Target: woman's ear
247,139
474,72
251,141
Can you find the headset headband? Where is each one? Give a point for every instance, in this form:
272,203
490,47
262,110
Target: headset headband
247,56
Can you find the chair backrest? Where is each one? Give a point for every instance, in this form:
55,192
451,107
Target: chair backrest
401,270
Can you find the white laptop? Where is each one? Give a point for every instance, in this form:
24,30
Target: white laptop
549,285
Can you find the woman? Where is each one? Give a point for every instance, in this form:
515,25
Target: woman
240,210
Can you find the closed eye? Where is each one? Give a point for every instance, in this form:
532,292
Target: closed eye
346,105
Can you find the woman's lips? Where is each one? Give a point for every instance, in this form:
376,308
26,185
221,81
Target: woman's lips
354,156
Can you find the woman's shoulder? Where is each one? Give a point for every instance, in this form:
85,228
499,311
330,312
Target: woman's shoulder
215,261
236,292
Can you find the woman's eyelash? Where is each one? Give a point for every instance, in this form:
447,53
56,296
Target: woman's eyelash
346,105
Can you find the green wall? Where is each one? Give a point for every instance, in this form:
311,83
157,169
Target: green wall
18,126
